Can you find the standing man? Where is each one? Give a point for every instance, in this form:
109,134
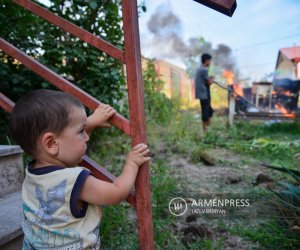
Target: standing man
202,90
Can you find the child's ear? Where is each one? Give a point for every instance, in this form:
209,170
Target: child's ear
49,143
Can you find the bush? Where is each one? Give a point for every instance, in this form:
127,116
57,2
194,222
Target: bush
85,66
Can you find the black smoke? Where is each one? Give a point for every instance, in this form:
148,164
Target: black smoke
168,43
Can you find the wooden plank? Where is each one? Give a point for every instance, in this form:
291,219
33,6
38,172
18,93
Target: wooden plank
118,120
137,120
73,29
98,171
226,7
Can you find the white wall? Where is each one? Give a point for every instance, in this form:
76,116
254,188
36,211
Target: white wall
285,69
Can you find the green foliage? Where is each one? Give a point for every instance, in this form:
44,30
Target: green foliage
183,136
222,58
162,184
264,142
288,199
159,108
117,230
270,235
193,60
90,69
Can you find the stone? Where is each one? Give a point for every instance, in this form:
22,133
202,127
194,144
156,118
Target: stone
197,230
11,169
10,218
191,218
233,179
207,159
262,178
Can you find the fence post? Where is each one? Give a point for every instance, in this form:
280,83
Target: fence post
137,120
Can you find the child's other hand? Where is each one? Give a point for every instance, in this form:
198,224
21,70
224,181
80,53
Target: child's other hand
101,116
138,155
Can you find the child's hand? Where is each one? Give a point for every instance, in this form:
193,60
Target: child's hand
99,192
101,116
138,155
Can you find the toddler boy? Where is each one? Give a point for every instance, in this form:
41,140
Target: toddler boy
61,201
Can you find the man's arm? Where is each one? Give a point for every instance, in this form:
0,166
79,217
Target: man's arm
208,79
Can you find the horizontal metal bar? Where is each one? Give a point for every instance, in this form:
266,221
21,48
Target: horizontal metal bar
73,29
6,103
98,171
118,120
226,7
101,173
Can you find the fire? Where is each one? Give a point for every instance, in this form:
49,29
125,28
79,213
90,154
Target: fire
238,90
229,76
284,111
230,81
286,93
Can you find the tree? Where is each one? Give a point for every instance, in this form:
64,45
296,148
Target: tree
222,57
92,70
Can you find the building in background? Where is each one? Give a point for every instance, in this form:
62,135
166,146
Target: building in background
288,63
177,84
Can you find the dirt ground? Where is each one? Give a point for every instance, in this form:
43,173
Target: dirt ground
230,173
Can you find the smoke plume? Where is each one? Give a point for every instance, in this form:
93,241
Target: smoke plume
167,41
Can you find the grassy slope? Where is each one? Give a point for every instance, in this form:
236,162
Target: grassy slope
276,144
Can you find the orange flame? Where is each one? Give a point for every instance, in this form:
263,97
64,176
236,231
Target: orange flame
286,93
229,76
237,87
284,111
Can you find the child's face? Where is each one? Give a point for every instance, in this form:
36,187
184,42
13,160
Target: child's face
72,140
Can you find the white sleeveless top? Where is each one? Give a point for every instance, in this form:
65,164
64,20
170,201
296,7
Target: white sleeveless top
52,219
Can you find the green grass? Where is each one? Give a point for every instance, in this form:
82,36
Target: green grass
117,231
270,235
276,144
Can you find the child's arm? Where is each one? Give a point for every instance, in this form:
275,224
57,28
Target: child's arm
99,118
99,192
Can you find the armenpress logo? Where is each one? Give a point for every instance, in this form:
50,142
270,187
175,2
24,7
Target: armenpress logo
177,206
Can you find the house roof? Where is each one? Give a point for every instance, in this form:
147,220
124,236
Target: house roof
292,53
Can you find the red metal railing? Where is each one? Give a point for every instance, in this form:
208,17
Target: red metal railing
58,81
136,128
131,56
98,171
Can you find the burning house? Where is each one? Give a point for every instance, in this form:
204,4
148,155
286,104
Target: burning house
277,99
287,78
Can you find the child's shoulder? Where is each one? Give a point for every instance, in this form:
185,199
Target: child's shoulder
54,172
54,176
52,169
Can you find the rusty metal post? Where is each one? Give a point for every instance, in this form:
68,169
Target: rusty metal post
137,120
